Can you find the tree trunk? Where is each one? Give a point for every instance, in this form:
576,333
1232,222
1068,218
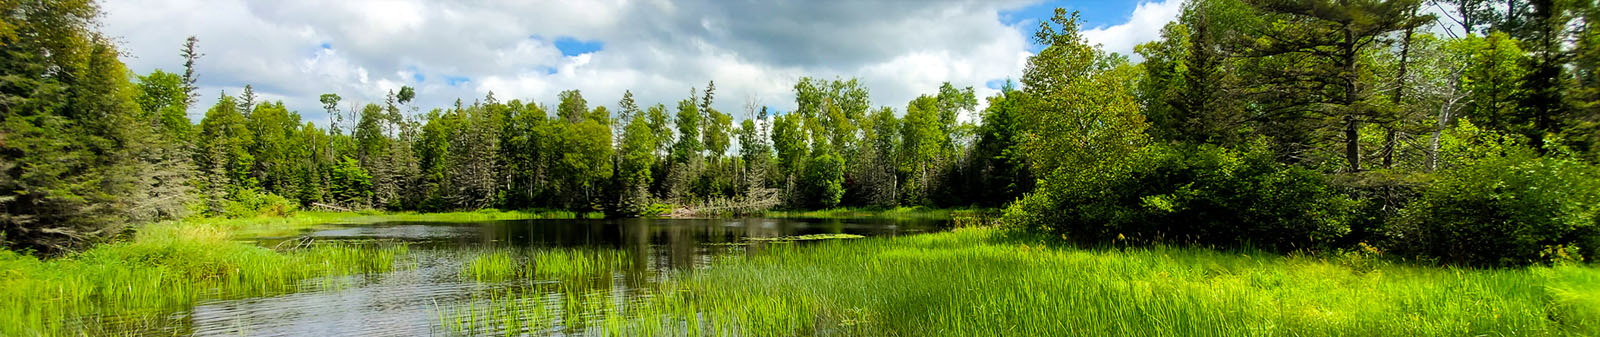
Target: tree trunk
1352,123
1391,138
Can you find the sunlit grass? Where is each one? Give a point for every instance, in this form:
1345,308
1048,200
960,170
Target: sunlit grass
507,264
165,266
980,281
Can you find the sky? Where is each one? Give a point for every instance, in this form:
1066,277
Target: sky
296,50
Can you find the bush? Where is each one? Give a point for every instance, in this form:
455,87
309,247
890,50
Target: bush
246,203
1377,198
1509,210
1203,195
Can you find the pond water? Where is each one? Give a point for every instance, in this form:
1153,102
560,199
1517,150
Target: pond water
428,293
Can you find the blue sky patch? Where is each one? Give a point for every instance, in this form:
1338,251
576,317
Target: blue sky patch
996,84
1093,14
570,46
455,81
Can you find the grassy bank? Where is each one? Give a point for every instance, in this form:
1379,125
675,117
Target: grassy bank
981,282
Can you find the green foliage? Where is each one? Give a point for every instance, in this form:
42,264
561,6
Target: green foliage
572,107
1494,80
637,155
162,93
349,184
1507,210
1205,195
825,180
78,157
790,142
583,158
1079,104
689,143
246,203
1000,160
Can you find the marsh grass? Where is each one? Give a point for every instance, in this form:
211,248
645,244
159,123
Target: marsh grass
164,267
502,264
984,281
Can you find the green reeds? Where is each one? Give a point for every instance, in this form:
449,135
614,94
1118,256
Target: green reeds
980,281
165,267
508,264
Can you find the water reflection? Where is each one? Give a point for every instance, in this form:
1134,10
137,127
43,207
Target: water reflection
677,243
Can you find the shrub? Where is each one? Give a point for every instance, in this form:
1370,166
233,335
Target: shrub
1508,210
1377,198
246,203
1203,195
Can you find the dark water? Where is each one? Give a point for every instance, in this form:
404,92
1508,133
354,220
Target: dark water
418,297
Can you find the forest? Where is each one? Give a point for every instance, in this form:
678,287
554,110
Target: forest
1467,136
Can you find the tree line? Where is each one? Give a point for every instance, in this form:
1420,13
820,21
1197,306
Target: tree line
1276,124
833,150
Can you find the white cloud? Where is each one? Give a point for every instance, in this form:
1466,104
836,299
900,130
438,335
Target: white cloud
658,49
1143,26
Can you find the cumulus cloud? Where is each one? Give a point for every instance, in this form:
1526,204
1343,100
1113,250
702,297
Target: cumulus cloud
1143,26
295,50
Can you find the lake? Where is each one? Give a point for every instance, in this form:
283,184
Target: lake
429,293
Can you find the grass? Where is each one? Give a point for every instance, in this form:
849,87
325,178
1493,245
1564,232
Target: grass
510,264
165,266
982,281
168,266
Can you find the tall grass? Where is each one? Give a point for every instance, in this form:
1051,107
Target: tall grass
163,267
508,264
980,281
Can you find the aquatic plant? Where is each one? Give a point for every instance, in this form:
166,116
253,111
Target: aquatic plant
503,264
164,267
